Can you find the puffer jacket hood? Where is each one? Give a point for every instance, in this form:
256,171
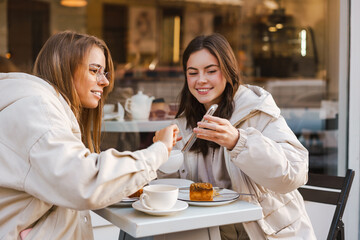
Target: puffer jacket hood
249,99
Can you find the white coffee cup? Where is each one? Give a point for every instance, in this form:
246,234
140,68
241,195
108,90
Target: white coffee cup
159,197
176,159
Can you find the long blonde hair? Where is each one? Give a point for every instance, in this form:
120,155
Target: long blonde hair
60,57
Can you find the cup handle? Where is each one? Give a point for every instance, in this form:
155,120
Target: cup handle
143,200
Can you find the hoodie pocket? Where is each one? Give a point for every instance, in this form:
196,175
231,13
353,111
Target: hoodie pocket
280,211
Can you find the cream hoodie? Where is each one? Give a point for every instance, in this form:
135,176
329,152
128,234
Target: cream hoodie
47,175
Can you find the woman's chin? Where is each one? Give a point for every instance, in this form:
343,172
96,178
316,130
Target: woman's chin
91,105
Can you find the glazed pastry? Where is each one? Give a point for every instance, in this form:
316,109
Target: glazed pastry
137,193
201,192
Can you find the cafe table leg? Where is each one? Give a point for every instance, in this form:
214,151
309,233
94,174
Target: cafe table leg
124,236
212,233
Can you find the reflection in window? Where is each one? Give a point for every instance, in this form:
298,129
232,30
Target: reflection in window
283,46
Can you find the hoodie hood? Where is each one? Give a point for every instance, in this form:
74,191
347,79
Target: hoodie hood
249,99
16,86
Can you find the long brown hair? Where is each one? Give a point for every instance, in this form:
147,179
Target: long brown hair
190,107
60,57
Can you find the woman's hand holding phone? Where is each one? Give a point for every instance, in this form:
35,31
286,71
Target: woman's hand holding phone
218,130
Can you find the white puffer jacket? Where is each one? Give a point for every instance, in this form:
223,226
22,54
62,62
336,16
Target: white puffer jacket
268,161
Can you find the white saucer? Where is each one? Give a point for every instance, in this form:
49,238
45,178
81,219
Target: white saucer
179,206
178,182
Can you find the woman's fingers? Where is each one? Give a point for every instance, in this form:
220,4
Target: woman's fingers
218,120
167,135
176,138
208,134
217,130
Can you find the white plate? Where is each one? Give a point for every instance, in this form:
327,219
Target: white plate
179,206
225,196
127,199
178,182
125,202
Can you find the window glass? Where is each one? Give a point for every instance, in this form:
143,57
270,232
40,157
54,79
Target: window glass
288,47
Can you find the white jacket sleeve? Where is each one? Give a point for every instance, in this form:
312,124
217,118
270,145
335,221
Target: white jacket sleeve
273,158
60,170
63,172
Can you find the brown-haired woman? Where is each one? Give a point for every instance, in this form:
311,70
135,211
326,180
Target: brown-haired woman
51,165
246,146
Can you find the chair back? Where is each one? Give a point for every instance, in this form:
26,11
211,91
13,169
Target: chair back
330,190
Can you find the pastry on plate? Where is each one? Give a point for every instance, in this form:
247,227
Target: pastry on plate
201,192
137,193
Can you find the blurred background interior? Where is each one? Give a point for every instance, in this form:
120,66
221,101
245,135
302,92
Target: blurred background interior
286,46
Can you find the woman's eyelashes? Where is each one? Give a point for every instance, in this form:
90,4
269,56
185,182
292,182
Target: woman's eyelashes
212,71
93,71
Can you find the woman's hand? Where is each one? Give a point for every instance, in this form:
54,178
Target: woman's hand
218,130
168,135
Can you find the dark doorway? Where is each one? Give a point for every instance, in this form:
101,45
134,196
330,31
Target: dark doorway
28,25
115,31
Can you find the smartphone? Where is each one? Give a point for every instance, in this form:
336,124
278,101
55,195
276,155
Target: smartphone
192,139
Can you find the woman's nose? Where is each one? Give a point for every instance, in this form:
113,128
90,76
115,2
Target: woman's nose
103,81
202,78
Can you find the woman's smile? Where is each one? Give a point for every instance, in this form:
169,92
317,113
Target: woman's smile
97,93
203,91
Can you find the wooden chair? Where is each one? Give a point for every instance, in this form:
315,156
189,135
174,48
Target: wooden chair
325,193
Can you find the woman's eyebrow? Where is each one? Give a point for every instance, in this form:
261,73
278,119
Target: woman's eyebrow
96,65
209,66
191,68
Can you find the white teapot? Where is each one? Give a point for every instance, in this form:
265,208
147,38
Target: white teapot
139,106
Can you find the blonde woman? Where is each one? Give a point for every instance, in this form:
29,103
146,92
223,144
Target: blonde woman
52,170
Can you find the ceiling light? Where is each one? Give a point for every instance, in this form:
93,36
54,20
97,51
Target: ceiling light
73,3
271,4
272,29
279,26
